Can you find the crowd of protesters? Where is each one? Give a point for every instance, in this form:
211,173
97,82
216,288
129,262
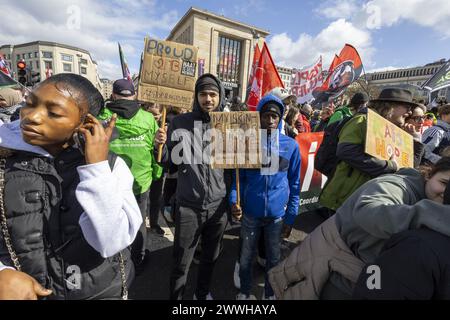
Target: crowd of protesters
81,185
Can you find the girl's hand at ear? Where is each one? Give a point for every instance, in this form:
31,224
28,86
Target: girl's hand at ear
97,138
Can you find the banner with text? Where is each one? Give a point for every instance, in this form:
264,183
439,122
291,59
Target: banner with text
168,74
312,181
384,139
236,140
305,80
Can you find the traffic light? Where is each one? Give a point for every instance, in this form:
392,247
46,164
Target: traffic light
22,72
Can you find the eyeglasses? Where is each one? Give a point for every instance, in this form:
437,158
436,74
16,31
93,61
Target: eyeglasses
418,118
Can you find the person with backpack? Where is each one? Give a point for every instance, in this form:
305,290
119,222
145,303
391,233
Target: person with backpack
67,209
326,160
358,102
353,166
437,138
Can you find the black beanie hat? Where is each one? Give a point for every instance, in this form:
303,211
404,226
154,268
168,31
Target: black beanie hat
271,107
206,83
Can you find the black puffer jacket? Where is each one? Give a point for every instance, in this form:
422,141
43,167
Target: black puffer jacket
43,221
199,186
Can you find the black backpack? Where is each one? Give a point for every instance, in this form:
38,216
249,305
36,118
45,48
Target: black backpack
326,160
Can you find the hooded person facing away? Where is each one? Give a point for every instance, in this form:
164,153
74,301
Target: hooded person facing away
136,132
201,190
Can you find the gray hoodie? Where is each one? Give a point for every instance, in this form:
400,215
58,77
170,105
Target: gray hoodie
387,205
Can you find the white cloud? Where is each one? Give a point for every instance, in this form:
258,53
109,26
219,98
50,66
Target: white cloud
249,7
101,25
306,49
427,13
336,9
353,21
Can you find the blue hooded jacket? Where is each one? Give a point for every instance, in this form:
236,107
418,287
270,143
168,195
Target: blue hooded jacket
276,194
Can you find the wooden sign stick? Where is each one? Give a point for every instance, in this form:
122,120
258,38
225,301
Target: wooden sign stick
163,125
238,189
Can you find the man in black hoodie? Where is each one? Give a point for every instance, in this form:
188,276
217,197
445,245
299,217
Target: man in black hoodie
201,191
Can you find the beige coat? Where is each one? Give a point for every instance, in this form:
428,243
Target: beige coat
302,275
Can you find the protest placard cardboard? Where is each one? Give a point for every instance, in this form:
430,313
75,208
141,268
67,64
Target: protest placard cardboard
235,140
384,139
168,73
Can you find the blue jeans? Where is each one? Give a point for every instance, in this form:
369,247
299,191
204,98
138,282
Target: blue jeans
251,228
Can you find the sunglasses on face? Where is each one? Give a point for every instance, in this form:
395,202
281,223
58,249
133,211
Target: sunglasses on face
418,118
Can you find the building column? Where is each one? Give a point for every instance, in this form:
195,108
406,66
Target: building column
247,57
213,52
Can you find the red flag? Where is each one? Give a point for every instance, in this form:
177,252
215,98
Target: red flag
344,70
265,78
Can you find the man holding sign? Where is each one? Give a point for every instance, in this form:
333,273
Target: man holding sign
200,195
270,196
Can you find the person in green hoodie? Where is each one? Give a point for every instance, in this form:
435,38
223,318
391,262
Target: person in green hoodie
358,102
134,144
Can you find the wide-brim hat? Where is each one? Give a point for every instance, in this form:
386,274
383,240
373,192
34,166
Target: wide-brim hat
396,95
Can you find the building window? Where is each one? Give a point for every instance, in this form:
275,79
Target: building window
66,57
47,54
228,56
38,65
23,55
9,56
67,67
30,55
36,54
83,70
18,57
83,61
48,65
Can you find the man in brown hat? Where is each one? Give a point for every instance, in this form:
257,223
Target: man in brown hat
355,167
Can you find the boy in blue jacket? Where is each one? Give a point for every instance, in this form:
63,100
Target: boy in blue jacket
270,196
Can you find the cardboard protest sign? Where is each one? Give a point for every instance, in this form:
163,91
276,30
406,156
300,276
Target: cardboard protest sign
384,139
235,140
311,180
168,73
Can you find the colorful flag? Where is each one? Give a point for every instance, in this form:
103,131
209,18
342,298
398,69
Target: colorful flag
305,80
440,80
344,70
265,78
123,62
4,66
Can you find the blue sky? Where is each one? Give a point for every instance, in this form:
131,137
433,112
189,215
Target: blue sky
387,33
